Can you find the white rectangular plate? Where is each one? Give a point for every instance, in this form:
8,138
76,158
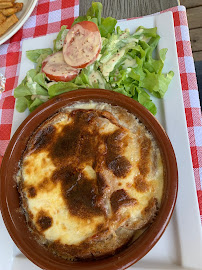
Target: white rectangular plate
180,247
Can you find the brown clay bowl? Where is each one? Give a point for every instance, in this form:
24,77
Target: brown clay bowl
10,201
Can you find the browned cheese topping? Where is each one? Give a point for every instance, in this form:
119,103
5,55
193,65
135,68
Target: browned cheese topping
90,177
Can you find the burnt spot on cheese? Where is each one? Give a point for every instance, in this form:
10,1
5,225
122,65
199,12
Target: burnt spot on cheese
114,141
145,149
140,184
101,183
66,143
115,161
82,199
67,175
103,189
79,193
31,192
43,220
43,137
120,198
78,138
88,145
120,166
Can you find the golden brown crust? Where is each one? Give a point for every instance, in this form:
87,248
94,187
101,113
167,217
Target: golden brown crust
77,145
120,198
140,184
145,148
90,250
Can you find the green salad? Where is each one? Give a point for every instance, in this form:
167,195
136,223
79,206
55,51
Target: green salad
125,64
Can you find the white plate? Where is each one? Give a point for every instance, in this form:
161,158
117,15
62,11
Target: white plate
23,15
180,247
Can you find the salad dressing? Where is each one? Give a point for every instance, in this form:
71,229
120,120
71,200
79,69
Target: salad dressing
109,65
95,77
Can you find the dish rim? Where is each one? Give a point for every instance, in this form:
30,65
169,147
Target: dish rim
129,255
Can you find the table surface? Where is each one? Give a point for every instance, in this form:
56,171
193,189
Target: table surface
121,9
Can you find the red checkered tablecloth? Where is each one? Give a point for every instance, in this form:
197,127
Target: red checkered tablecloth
47,17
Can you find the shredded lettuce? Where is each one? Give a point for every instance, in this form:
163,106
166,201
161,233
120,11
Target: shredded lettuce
126,64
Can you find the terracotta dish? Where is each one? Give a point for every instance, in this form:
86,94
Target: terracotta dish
10,199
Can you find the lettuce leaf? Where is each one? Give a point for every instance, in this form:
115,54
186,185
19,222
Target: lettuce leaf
105,25
22,90
40,78
61,87
36,103
37,56
59,41
147,32
157,84
21,104
31,88
33,55
144,99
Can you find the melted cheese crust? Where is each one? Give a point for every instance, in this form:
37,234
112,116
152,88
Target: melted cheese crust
89,173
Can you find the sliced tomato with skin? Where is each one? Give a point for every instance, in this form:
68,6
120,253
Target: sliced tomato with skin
82,44
56,69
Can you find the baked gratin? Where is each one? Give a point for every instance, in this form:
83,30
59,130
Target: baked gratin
90,178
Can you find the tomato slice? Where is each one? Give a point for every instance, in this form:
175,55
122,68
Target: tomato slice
56,69
82,44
